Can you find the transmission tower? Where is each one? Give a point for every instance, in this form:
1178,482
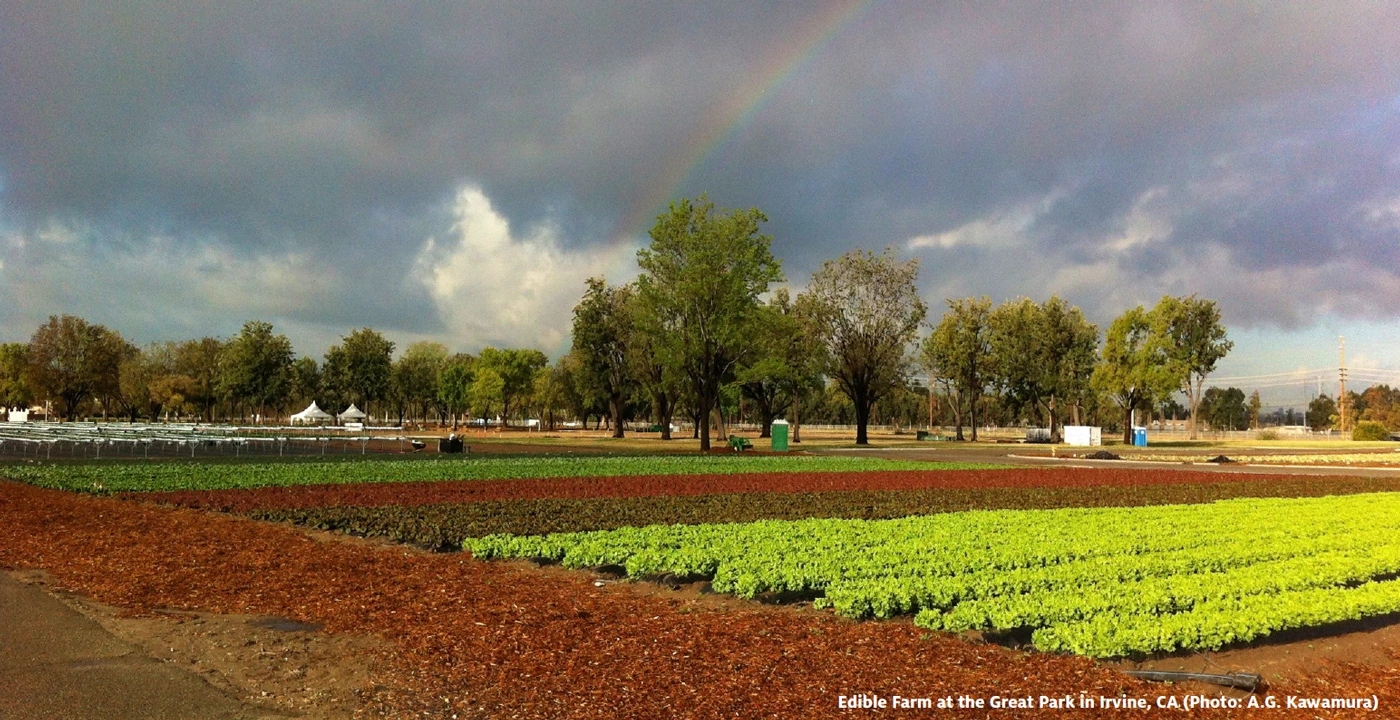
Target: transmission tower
1342,398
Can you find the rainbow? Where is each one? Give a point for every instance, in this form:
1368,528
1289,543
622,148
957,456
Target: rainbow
728,116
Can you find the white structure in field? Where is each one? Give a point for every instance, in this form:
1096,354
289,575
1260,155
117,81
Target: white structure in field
18,415
311,414
1083,435
352,414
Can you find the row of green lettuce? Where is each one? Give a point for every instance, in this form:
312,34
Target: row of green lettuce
1102,582
163,476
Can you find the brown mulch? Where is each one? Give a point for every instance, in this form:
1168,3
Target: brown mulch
500,640
458,491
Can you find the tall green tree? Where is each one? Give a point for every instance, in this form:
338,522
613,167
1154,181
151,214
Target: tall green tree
699,288
516,369
144,378
1044,356
550,394
1134,370
306,383
1225,409
202,362
257,367
14,390
71,360
603,330
662,383
866,311
488,391
1321,412
361,367
958,353
415,376
454,384
783,365
1194,340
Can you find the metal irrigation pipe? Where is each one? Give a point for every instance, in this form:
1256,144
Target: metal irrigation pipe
1241,681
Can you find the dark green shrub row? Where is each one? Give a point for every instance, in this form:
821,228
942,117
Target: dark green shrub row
444,526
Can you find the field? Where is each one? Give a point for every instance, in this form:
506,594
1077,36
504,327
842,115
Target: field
733,585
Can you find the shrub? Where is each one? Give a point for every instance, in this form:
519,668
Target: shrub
1268,435
1370,431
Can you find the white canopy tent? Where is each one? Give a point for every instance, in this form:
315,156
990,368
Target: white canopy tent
311,414
352,414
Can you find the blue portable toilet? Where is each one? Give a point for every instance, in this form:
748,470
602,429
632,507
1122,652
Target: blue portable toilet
1140,436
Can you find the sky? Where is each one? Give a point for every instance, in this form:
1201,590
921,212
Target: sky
455,171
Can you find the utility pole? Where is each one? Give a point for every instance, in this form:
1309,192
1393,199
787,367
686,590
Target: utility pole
1342,397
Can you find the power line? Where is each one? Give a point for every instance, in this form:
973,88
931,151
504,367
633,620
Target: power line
1309,373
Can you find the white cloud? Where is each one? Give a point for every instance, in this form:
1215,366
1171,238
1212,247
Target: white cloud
151,287
1006,229
494,288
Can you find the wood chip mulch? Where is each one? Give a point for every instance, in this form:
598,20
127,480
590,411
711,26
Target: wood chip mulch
459,491
484,639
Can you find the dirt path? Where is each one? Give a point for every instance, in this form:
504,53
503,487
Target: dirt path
57,663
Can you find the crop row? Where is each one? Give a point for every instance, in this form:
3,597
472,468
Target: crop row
426,493
1145,568
1373,458
166,476
444,525
1217,623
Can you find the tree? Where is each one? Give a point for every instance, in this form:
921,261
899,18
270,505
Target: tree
14,390
575,400
516,370
201,361
415,376
603,329
72,360
305,383
487,390
699,287
137,374
455,380
866,311
1191,335
1381,404
1134,370
1043,355
958,352
550,393
661,383
1256,404
257,367
169,388
1224,409
1320,412
782,366
360,367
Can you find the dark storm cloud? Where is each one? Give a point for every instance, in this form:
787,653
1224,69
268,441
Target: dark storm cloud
226,145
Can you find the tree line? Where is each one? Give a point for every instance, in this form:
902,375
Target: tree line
694,324
86,369
702,334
